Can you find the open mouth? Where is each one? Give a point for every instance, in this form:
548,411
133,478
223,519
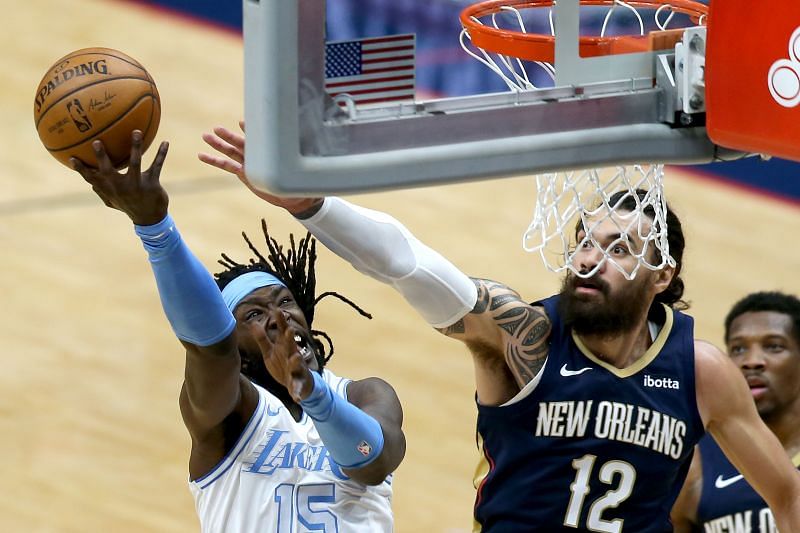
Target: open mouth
588,286
303,348
758,392
587,289
757,386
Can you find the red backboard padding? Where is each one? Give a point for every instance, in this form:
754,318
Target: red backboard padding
753,76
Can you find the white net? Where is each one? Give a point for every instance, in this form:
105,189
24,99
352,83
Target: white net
618,214
515,72
585,219
510,69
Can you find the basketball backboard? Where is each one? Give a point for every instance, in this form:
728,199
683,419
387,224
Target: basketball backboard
755,104
612,109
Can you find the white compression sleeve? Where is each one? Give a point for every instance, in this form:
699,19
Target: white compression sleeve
379,246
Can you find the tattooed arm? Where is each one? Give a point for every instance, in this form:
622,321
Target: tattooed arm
507,336
508,340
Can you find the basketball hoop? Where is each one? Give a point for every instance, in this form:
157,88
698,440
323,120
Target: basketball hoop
540,47
514,44
631,199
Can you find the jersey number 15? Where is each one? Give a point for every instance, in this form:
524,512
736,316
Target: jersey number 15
306,505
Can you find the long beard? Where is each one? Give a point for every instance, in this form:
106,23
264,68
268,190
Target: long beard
607,314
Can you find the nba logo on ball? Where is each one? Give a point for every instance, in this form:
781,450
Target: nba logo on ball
79,117
95,93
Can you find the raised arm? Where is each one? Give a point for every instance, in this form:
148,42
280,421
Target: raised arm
374,243
497,325
730,416
212,389
494,322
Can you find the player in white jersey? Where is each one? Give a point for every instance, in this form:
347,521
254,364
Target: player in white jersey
285,464
279,443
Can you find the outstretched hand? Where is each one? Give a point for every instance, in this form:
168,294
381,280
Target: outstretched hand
136,193
231,145
282,358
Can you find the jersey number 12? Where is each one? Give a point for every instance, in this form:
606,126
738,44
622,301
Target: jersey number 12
579,489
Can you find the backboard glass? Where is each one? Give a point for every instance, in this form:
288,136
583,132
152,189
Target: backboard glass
616,109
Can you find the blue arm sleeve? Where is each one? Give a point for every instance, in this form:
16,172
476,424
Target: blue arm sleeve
353,438
189,295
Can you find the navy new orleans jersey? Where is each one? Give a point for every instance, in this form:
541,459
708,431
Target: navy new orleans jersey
590,447
727,501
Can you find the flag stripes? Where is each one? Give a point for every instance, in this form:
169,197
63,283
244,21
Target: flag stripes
372,70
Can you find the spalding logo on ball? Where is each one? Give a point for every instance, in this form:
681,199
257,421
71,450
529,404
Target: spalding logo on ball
95,93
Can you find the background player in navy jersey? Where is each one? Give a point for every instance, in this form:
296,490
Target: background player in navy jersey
589,402
762,335
279,443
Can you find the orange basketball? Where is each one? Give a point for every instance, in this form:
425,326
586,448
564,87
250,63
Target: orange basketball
95,93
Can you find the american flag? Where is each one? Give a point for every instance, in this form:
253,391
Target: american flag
371,70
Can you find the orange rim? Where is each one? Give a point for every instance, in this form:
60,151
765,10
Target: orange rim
541,47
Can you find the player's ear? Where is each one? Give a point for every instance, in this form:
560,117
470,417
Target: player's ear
663,278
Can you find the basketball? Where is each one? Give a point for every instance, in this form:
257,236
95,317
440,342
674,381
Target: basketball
95,93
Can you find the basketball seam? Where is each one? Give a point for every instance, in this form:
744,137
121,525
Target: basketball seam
82,87
119,117
152,109
156,102
132,62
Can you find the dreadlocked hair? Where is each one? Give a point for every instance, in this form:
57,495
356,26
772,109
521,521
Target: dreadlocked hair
296,268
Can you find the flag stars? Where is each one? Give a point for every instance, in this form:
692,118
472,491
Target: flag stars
343,59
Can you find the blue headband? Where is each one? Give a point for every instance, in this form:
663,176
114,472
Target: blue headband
235,291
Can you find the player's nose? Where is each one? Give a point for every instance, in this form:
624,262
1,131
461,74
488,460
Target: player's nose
753,358
591,259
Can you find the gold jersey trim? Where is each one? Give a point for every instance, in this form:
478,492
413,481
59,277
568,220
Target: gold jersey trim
796,460
649,355
481,473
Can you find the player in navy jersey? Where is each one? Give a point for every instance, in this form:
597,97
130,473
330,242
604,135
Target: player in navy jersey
279,443
590,402
762,335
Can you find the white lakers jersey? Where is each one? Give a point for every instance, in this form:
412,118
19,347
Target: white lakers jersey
280,478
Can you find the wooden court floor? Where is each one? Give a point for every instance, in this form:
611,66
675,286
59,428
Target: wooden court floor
91,435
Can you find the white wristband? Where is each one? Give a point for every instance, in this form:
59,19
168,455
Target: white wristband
378,245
